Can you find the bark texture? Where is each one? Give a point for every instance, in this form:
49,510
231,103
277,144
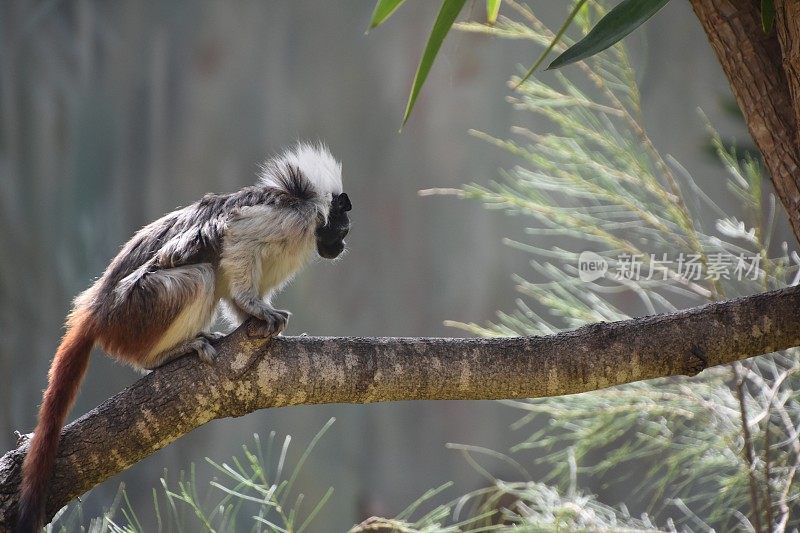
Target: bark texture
767,93
787,27
255,374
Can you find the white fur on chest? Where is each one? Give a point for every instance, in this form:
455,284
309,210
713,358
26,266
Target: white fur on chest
279,264
262,250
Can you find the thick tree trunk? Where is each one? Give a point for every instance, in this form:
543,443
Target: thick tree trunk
254,374
787,27
766,83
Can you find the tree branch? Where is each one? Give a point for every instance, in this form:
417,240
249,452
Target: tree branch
254,374
753,63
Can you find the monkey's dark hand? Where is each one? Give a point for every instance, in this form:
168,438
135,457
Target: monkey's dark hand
272,324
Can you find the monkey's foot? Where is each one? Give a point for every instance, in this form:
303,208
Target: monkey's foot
271,325
199,345
203,348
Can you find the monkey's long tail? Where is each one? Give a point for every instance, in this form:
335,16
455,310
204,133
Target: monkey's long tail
66,373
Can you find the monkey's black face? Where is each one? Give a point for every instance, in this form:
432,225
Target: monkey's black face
330,236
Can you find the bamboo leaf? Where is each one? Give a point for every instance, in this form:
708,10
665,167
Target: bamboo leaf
554,42
617,24
767,15
492,9
383,10
444,21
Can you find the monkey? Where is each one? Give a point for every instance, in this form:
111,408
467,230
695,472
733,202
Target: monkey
160,294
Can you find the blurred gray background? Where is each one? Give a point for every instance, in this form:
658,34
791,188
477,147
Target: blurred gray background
114,113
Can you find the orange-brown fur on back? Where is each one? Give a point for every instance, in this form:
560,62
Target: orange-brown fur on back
166,308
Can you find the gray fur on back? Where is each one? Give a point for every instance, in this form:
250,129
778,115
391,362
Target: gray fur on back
191,235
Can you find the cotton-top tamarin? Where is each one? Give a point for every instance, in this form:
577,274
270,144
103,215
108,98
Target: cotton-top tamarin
159,295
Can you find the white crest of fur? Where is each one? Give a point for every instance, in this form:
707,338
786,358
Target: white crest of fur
314,161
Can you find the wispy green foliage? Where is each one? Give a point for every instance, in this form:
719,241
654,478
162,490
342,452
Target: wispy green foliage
594,181
254,492
513,506
579,5
597,182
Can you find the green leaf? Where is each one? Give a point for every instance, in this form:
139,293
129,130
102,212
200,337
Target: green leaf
444,21
554,42
492,9
618,23
767,15
383,10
